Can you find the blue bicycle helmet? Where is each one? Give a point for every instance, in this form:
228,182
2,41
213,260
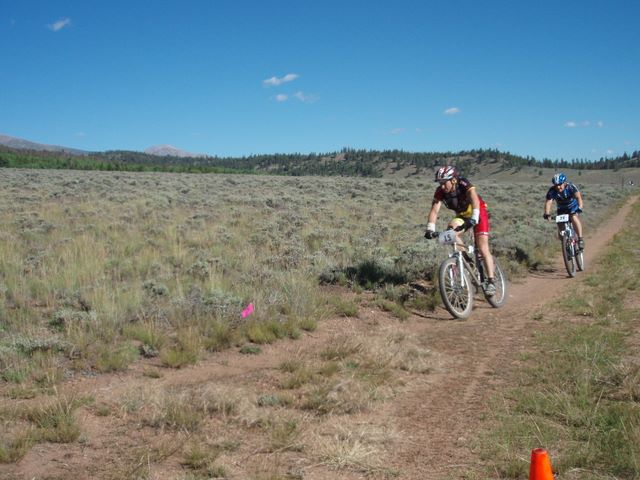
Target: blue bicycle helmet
559,179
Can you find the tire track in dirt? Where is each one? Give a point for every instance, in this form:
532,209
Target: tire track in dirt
438,420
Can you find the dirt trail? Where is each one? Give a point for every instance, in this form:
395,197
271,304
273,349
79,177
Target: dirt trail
435,416
439,420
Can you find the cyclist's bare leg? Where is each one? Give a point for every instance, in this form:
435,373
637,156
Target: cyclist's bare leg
453,224
482,243
577,225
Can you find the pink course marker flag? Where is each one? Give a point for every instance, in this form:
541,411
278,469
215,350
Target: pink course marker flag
247,311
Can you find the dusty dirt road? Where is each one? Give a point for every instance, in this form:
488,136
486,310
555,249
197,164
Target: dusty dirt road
434,417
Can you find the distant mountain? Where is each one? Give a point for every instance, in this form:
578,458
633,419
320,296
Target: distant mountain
171,151
21,144
159,150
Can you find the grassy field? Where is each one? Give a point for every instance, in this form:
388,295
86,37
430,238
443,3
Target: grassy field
578,396
94,264
100,269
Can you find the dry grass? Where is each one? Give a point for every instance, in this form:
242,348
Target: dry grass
101,259
107,274
360,448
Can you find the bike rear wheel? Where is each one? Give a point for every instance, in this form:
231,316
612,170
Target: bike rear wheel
455,288
568,256
500,297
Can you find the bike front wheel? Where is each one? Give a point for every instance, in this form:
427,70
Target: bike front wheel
580,260
568,256
455,288
500,297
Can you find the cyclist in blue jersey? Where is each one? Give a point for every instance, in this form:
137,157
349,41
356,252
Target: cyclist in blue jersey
568,199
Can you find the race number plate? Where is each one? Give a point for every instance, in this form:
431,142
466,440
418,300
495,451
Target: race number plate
562,218
447,237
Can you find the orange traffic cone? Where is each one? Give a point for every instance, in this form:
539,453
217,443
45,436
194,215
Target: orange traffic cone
540,465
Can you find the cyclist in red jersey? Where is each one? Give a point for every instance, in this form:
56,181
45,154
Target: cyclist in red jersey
458,194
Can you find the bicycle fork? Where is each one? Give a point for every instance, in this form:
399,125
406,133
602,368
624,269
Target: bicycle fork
567,232
461,269
462,266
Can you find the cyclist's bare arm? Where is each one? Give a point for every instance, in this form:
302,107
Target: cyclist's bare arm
473,196
579,199
433,214
547,207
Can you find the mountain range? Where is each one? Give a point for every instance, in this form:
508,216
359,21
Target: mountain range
22,144
171,151
159,150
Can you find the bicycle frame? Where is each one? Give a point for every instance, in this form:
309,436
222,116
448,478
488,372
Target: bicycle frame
459,249
564,224
571,255
461,277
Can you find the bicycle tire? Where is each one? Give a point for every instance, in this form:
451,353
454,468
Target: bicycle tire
580,260
568,257
500,297
456,289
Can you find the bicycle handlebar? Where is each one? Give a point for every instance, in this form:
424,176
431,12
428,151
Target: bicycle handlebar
433,235
457,229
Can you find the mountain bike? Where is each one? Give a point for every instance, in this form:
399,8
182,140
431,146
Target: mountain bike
461,276
572,255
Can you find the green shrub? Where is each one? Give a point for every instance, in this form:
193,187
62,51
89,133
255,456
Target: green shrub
395,309
115,360
345,307
177,357
262,332
147,333
55,421
219,335
250,349
13,449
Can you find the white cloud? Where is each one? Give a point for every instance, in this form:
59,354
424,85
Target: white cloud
584,124
275,81
397,131
306,98
452,111
60,24
281,97
80,134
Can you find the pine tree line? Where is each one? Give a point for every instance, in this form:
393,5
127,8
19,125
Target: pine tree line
346,162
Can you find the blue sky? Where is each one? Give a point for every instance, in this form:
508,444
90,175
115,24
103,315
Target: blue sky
552,79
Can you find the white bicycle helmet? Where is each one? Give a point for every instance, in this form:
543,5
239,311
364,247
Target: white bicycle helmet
446,173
